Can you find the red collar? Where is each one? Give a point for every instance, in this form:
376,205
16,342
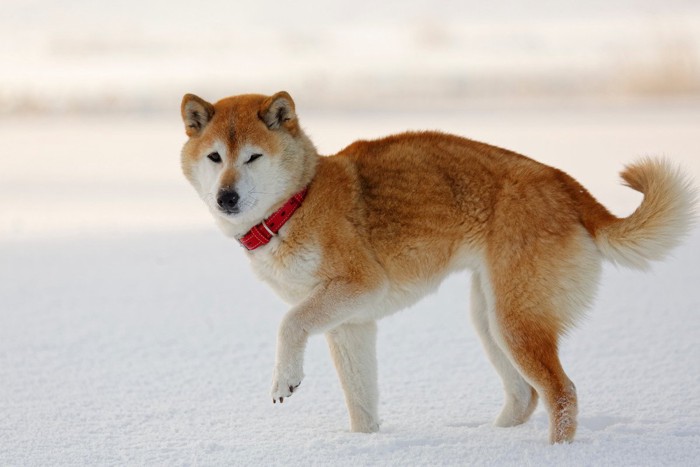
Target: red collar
262,233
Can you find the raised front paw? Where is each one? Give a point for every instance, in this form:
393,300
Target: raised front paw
284,384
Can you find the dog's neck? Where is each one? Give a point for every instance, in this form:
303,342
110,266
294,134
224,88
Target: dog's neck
261,234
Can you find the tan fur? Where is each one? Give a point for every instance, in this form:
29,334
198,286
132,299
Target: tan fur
385,221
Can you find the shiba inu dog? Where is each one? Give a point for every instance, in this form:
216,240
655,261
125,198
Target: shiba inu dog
351,238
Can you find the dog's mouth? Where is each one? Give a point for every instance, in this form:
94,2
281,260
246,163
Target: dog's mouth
226,212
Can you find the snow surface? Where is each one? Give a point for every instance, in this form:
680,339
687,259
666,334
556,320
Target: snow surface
132,332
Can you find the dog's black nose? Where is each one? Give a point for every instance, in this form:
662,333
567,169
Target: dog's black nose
228,201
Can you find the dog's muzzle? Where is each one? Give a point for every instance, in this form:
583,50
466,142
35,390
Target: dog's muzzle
228,201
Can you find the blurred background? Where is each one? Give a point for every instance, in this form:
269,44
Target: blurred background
139,55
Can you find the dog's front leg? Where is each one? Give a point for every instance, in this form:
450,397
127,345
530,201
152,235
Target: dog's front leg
353,349
329,305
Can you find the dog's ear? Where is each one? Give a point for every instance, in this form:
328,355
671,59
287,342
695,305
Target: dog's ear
278,112
196,113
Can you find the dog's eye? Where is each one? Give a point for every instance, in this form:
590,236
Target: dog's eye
214,157
252,158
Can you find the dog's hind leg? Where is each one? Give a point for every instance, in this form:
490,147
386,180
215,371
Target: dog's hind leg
353,349
521,398
524,325
534,350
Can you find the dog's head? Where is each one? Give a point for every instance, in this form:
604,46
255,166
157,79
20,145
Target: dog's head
245,155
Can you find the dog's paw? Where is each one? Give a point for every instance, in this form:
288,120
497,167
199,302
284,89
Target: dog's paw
285,384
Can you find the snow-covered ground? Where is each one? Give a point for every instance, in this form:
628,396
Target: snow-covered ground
132,332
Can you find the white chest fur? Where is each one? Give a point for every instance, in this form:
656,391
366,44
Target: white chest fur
292,275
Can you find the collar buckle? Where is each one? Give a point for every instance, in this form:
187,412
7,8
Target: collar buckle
269,230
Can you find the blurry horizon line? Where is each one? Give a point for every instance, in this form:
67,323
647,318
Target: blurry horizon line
377,104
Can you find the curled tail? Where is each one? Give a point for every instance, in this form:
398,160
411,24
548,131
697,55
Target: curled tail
659,224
